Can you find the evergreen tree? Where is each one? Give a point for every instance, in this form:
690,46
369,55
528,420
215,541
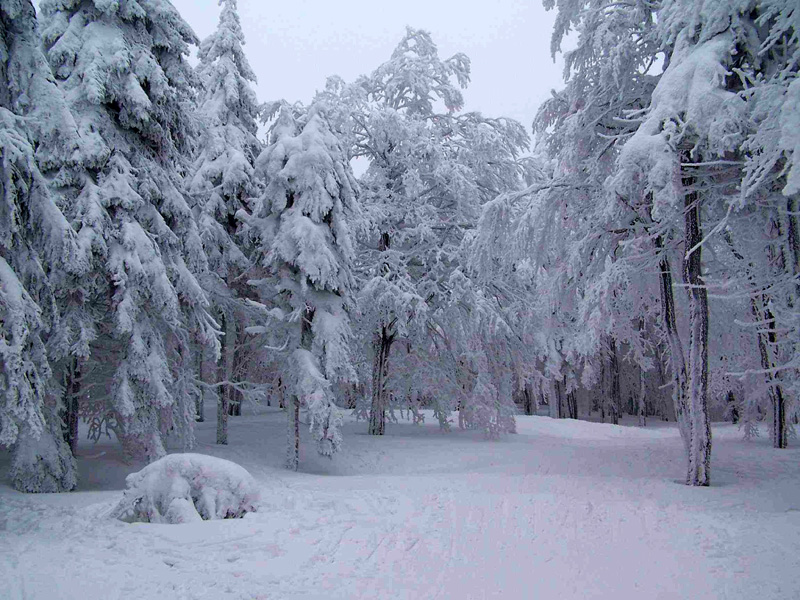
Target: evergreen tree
222,180
308,206
37,245
122,66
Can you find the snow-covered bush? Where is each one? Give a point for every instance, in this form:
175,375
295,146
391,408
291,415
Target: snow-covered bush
182,488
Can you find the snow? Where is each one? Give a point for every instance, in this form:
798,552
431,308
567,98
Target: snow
563,510
183,488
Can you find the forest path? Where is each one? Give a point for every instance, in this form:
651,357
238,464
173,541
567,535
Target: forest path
563,510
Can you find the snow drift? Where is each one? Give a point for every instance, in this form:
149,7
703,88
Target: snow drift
182,488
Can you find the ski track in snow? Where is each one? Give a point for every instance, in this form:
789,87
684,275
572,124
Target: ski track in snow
562,510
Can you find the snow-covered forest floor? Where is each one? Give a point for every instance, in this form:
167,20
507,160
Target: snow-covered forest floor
566,509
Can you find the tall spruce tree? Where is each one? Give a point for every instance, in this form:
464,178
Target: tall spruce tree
222,181
122,67
309,203
37,246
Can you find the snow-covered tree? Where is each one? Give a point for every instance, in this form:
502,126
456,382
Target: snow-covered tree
122,66
308,206
771,91
430,169
222,180
37,245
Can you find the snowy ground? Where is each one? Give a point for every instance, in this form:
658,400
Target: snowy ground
563,510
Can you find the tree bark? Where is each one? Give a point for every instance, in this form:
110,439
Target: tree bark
223,402
380,370
527,394
293,434
700,429
293,445
198,367
616,395
572,404
677,357
72,392
642,400
763,316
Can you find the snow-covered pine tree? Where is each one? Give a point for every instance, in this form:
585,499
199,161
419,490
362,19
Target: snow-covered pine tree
222,181
37,245
122,67
309,204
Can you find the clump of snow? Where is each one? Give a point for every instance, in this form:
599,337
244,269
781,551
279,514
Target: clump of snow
182,488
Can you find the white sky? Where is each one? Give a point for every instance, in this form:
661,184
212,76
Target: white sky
293,46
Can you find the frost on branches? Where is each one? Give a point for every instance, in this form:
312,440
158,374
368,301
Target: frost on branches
310,198
222,181
122,67
35,241
430,170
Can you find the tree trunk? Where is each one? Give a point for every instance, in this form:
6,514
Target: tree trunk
557,403
793,236
677,358
663,405
229,358
200,400
700,433
238,373
527,394
572,404
72,392
776,394
732,409
224,394
763,316
603,391
616,395
380,370
293,441
642,400
293,434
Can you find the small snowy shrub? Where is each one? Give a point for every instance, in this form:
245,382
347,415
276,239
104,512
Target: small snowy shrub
181,488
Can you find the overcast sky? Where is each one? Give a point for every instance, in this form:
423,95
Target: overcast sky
293,46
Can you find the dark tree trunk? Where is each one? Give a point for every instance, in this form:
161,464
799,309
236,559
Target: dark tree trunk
224,394
764,318
293,445
572,404
733,409
200,399
527,394
380,371
700,445
557,409
603,390
72,392
616,395
677,358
